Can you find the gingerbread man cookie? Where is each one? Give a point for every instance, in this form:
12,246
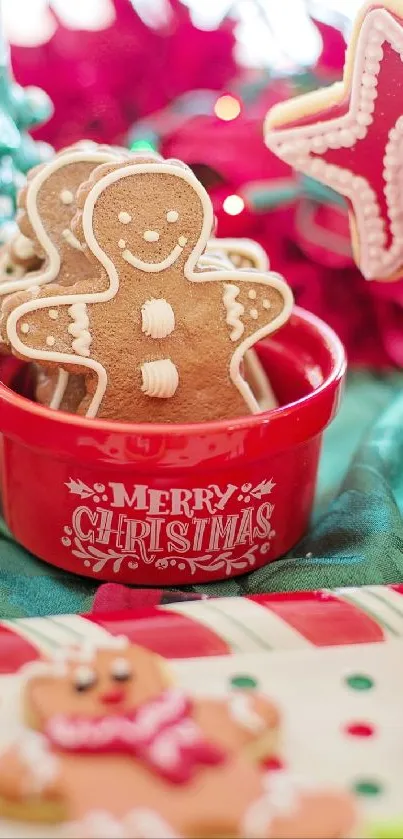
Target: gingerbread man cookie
165,340
47,205
115,749
349,138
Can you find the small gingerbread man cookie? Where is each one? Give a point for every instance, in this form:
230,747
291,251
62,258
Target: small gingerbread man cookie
165,339
47,204
119,750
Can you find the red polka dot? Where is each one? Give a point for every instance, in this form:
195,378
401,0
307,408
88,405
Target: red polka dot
273,763
360,729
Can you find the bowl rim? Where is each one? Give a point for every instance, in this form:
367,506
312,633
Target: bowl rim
330,341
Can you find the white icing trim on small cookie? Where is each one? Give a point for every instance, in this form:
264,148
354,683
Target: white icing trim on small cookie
242,711
35,754
148,824
234,310
160,379
157,318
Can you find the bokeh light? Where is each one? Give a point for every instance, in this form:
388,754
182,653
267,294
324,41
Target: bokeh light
233,205
227,108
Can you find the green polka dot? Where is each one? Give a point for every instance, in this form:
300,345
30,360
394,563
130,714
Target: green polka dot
367,788
243,681
357,681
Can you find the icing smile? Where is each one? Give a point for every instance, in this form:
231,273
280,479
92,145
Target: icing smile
154,267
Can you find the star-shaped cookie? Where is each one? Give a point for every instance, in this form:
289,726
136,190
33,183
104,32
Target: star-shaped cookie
350,137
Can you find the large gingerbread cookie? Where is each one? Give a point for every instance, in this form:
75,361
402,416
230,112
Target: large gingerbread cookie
165,340
114,749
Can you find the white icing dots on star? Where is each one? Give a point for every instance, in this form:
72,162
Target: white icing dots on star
172,216
266,303
252,294
254,314
53,314
66,196
122,243
25,328
124,217
50,340
298,145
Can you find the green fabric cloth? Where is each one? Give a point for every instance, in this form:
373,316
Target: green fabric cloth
356,536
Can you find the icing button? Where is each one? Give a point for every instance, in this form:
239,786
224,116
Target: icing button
160,379
158,318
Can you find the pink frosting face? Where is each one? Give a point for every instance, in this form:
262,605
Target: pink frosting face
109,682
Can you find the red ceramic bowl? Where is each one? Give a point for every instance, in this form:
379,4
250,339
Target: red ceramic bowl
172,505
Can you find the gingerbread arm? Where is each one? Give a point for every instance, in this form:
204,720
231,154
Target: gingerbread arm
256,305
30,781
55,330
243,721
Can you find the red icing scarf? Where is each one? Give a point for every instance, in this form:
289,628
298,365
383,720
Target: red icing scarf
161,733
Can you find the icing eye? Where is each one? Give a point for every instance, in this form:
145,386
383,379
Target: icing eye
124,217
66,196
172,216
121,670
84,678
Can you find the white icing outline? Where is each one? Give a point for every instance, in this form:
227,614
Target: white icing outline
59,391
270,279
295,146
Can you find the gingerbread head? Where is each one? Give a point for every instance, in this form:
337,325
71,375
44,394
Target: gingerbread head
161,217
163,330
47,204
91,683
